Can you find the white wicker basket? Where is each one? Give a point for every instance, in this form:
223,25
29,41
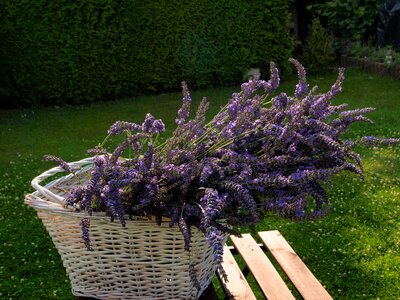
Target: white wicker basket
141,261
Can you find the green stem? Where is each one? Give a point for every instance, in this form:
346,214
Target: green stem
221,110
266,103
105,140
156,139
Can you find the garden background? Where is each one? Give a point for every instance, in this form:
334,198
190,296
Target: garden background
61,64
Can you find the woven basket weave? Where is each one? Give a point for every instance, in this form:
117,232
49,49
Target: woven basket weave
141,261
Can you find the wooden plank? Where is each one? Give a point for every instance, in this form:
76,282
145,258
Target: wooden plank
264,272
234,283
306,283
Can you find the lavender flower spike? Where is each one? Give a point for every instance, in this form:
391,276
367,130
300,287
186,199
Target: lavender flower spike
274,80
151,125
120,126
375,141
63,164
183,112
85,225
302,86
337,86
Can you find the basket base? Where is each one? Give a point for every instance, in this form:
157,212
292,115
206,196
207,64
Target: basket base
208,294
141,261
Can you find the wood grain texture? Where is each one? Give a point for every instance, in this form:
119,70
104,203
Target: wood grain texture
262,269
306,283
234,283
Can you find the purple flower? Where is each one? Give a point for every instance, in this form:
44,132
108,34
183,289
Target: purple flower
119,150
97,150
94,184
63,164
151,125
120,126
375,141
281,101
76,194
183,112
213,206
216,240
260,152
356,112
302,86
85,226
273,83
187,235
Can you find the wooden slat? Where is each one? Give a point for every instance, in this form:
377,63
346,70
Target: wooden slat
235,284
306,283
264,272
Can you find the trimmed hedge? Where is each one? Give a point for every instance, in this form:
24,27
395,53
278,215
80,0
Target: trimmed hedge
62,51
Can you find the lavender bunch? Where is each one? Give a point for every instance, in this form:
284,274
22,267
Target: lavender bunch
262,152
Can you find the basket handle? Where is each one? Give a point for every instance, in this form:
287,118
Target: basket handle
44,190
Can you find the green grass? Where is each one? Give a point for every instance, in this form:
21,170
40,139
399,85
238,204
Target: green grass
354,251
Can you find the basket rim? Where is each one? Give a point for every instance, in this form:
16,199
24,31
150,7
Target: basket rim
84,165
34,201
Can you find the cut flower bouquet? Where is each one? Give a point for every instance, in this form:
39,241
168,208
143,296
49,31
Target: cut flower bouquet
262,152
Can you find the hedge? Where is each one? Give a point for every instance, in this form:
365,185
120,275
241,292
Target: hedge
61,51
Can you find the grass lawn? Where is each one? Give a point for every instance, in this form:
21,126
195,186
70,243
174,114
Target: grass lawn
354,251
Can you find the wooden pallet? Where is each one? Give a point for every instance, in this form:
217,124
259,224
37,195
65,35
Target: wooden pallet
268,278
272,285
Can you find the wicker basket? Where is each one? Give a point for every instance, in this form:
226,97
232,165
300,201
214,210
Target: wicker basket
141,261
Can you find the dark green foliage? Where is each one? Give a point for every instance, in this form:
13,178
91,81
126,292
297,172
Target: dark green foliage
385,55
347,20
78,51
318,51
